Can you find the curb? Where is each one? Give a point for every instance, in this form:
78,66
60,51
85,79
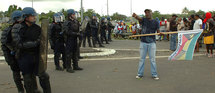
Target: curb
104,52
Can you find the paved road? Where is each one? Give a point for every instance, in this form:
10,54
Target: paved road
116,73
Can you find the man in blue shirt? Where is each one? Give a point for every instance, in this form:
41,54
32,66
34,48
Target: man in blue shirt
148,43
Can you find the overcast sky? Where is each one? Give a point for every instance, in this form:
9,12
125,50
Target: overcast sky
120,6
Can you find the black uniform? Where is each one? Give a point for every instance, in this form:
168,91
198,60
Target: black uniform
71,33
57,43
103,32
87,35
9,54
27,40
109,27
94,28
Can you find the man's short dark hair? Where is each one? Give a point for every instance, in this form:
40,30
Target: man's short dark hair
149,10
174,15
197,15
192,16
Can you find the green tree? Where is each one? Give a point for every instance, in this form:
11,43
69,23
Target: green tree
156,14
200,12
191,12
185,10
117,16
90,13
11,9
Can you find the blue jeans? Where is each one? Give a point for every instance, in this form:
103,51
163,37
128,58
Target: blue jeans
173,39
164,36
149,48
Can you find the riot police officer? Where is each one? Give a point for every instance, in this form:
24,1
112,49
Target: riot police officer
109,27
94,28
71,33
103,31
8,50
57,41
26,38
87,34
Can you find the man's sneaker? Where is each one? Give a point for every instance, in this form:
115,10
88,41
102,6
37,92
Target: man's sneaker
156,78
139,77
210,55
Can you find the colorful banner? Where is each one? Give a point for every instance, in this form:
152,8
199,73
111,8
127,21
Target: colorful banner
186,45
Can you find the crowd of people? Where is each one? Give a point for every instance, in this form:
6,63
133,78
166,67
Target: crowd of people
174,24
121,28
194,22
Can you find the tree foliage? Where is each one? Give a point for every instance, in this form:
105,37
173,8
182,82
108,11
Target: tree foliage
117,16
11,9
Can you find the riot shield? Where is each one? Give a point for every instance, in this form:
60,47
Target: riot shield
84,24
43,46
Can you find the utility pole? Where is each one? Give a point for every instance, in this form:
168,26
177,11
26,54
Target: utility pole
82,10
107,9
131,6
32,3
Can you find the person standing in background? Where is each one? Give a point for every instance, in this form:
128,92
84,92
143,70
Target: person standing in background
173,28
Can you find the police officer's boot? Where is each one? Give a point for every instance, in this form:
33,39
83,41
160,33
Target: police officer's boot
64,60
94,42
107,41
68,64
80,57
28,83
18,81
89,42
59,68
70,70
101,40
90,45
44,82
56,60
75,66
64,65
100,45
84,42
